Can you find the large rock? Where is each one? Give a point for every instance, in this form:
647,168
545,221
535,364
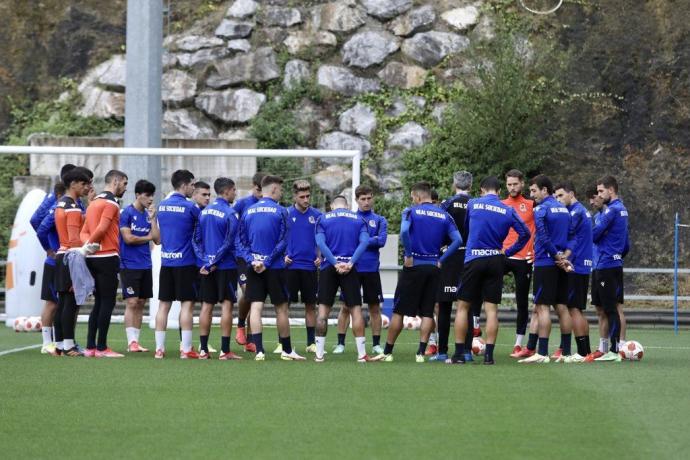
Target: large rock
259,66
414,21
178,87
340,141
231,28
239,44
242,9
339,17
296,71
403,76
202,57
429,48
279,16
187,124
333,178
100,103
359,119
386,9
312,119
341,80
409,136
302,41
191,43
462,18
230,106
369,48
112,73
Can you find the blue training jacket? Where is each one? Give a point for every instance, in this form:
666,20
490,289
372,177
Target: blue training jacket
580,238
47,234
178,221
48,203
487,223
341,236
219,227
135,256
552,221
377,227
611,235
243,204
424,229
264,233
595,250
301,246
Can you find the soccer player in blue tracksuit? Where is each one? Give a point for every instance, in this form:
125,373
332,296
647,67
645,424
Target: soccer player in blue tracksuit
302,259
263,238
178,221
487,223
342,238
219,227
368,270
424,229
550,288
579,252
597,205
138,228
611,237
49,202
239,207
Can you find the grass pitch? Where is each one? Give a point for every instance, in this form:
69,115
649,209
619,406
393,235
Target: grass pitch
138,407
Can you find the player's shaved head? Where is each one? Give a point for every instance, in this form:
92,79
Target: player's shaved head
339,202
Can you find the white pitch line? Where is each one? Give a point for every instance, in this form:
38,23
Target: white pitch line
16,350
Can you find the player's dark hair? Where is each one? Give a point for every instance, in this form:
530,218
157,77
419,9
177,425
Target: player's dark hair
114,174
270,180
181,177
201,184
363,190
84,170
515,173
144,186
609,182
65,169
567,185
77,174
592,191
490,184
542,181
301,185
422,188
434,195
257,179
222,184
59,189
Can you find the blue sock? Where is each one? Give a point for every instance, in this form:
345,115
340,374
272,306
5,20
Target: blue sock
204,342
544,346
532,341
341,339
489,352
565,344
225,344
311,335
241,322
258,340
287,344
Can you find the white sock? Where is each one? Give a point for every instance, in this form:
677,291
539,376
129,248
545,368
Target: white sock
47,333
518,339
186,341
476,322
68,344
53,329
137,332
361,346
603,345
160,340
433,338
320,346
131,335
60,345
621,344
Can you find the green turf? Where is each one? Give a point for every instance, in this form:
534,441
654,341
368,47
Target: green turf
137,407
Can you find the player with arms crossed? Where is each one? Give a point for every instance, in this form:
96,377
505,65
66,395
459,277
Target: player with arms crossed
487,223
424,229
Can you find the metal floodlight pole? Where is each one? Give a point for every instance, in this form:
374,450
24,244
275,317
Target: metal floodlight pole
675,274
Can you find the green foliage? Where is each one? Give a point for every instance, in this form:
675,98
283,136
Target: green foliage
10,166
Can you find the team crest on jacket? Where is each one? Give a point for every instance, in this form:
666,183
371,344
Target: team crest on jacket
372,223
312,220
130,290
294,219
523,208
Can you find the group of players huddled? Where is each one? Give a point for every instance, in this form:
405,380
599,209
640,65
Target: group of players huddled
457,251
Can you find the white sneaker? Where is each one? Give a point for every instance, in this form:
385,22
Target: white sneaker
535,359
291,356
279,349
48,348
311,348
339,349
567,359
419,358
319,359
260,356
212,350
377,350
610,356
577,358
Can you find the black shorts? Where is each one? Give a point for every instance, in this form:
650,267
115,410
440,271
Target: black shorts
241,271
482,280
415,294
48,291
270,282
63,280
449,281
610,287
302,282
136,282
372,292
329,282
595,292
219,286
577,290
550,286
178,283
